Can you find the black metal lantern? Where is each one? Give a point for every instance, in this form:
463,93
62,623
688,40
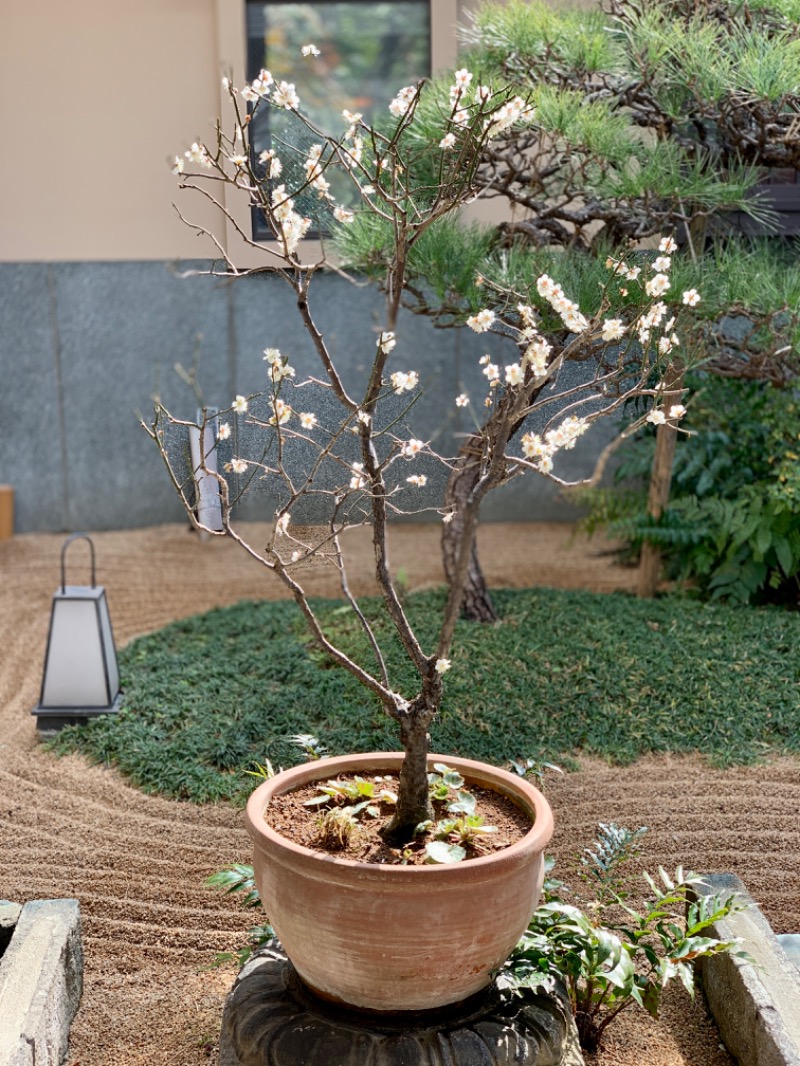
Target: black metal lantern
81,675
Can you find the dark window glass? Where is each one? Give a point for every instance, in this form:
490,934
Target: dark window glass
368,50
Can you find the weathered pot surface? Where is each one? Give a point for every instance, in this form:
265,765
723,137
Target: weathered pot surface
397,938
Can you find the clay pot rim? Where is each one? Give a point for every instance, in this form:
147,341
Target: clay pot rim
482,774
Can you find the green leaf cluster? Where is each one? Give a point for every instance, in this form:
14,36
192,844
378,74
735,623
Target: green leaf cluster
732,527
610,954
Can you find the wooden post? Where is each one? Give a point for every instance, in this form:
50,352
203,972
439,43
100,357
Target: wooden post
660,483
6,512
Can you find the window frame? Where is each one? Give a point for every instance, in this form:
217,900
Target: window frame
231,32
259,226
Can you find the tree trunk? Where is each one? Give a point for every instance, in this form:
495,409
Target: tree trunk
660,483
413,795
476,605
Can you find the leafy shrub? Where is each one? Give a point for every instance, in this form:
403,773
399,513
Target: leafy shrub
609,954
732,526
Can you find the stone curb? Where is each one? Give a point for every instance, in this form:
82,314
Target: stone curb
41,980
756,1007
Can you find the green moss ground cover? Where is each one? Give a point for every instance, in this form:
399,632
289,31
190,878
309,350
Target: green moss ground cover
563,672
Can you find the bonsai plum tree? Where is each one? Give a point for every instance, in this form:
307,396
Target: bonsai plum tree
349,449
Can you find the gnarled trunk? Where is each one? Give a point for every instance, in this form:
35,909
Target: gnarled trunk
660,485
413,795
476,605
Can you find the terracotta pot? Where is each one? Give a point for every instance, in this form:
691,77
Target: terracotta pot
397,938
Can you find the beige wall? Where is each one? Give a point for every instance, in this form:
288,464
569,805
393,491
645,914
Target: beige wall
96,99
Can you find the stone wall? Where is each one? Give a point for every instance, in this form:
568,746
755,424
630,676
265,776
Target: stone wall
85,346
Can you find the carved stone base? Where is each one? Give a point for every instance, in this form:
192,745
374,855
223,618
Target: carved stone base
272,1019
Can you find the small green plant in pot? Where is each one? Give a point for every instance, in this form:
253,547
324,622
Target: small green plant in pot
317,440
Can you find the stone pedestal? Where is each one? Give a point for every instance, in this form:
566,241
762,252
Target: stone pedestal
272,1019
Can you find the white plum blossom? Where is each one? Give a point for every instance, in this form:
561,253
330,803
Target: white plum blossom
238,160
272,165
386,342
411,448
282,413
198,154
515,375
666,344
310,50
314,171
263,83
541,450
442,666
482,321
278,364
250,95
285,96
341,214
663,262
575,321
282,203
240,405
613,329
536,355
512,111
570,312
657,285
533,447
405,382
667,245
417,479
691,298
357,481
657,417
547,288
238,466
677,411
492,372
282,523
307,419
566,434
654,316
224,431
179,166
403,101
293,227
462,400
483,94
363,418
527,315
463,79
448,141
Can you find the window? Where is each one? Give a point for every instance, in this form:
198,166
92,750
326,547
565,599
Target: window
368,50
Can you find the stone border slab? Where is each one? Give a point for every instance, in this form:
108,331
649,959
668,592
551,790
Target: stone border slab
756,1007
41,980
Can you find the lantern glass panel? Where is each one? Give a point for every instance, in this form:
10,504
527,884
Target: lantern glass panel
75,671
